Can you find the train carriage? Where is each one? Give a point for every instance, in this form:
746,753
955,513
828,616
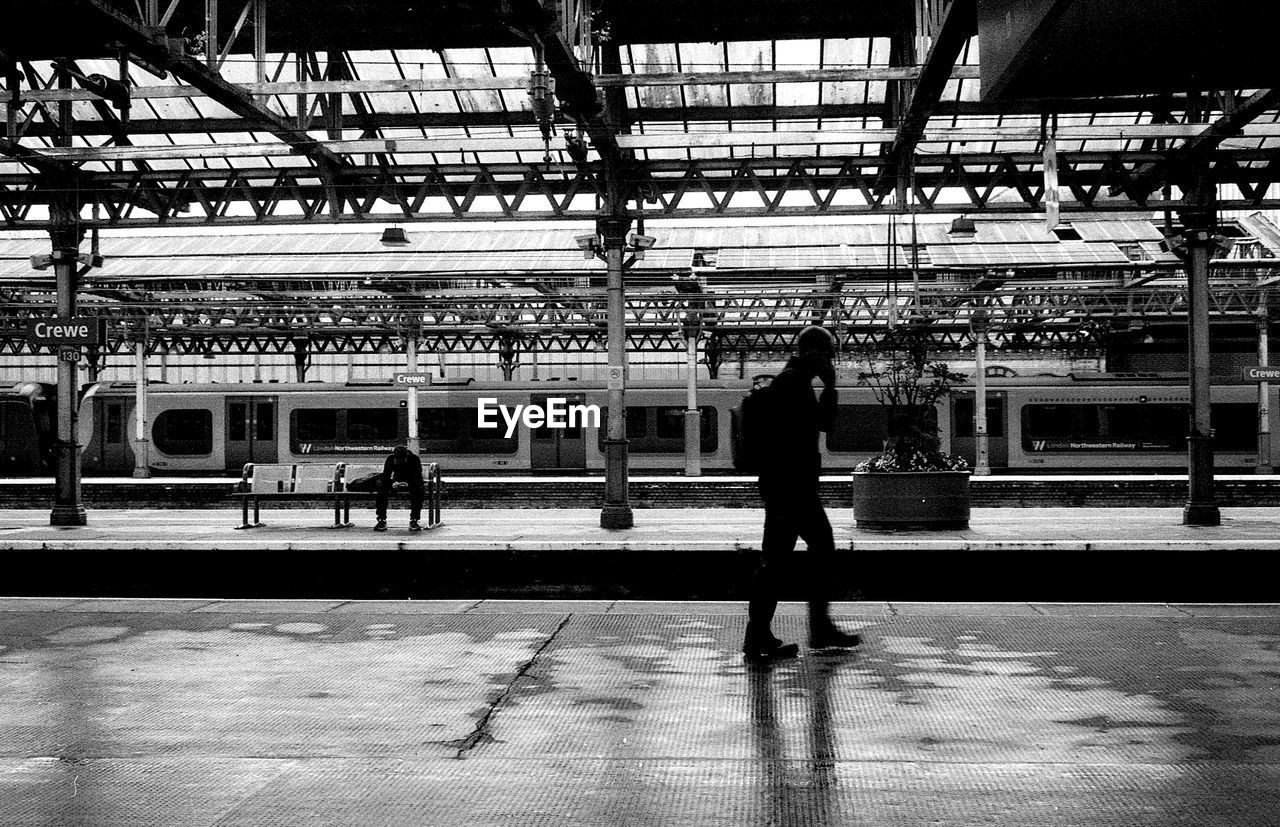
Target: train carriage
1090,422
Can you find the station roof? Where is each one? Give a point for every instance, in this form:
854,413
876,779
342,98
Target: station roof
422,109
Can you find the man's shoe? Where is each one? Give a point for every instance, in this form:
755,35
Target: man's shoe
381,525
769,651
833,638
413,526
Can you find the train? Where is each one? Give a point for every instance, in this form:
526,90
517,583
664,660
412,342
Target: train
1052,424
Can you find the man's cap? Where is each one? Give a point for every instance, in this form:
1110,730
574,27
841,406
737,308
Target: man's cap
814,339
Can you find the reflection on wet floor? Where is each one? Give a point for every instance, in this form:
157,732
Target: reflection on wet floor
588,718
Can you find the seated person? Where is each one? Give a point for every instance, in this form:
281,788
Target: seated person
402,471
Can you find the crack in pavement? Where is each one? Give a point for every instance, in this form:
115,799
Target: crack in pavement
481,732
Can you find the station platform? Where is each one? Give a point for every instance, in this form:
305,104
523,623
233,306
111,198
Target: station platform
1001,490
1007,553
484,712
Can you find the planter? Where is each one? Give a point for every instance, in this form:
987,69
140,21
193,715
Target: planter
885,500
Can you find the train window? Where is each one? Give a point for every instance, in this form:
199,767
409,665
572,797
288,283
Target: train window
667,434
455,431
183,432
670,425
858,428
1235,426
265,421
237,421
113,428
373,424
962,423
315,425
439,423
1097,427
637,422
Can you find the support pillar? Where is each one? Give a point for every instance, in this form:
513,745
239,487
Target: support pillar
692,416
1264,464
68,508
981,459
141,445
411,365
1198,244
617,510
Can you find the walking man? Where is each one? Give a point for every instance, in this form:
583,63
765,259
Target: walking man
402,470
789,467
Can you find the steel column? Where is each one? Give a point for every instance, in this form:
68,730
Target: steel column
1198,244
411,365
617,510
1264,465
68,509
981,461
692,416
141,445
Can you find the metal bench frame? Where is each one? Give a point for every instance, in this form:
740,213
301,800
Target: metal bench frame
261,482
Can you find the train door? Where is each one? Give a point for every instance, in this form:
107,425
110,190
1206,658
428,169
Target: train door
963,442
116,432
251,431
558,448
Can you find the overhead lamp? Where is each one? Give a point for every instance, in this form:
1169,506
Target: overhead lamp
963,227
587,244
394,237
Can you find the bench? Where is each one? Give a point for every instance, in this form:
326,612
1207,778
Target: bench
261,482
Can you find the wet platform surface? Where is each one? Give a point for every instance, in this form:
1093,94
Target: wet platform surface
656,529
209,712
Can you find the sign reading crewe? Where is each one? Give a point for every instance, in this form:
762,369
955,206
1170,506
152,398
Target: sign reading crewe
411,380
1261,374
73,331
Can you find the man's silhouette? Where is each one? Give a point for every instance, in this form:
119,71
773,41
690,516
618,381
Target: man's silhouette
790,465
402,470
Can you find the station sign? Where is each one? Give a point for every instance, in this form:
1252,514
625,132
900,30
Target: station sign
1261,374
77,330
411,380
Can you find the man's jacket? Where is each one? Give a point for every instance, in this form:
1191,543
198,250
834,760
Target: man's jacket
406,468
792,457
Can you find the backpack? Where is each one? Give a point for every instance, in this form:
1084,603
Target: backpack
752,426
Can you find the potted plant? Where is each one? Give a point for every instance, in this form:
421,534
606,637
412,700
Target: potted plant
913,483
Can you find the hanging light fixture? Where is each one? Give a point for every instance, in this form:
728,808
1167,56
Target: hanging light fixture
394,237
542,88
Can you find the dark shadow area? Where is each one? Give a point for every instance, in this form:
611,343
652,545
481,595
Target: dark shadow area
948,576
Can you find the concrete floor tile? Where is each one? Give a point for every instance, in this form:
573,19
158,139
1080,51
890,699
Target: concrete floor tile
1229,609
305,716
37,604
271,606
136,604
394,607
540,607
1107,610
962,609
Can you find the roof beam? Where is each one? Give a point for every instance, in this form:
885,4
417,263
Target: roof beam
513,82
141,41
655,140
1230,125
954,31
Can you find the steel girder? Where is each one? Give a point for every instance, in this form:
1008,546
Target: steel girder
1043,315
676,188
